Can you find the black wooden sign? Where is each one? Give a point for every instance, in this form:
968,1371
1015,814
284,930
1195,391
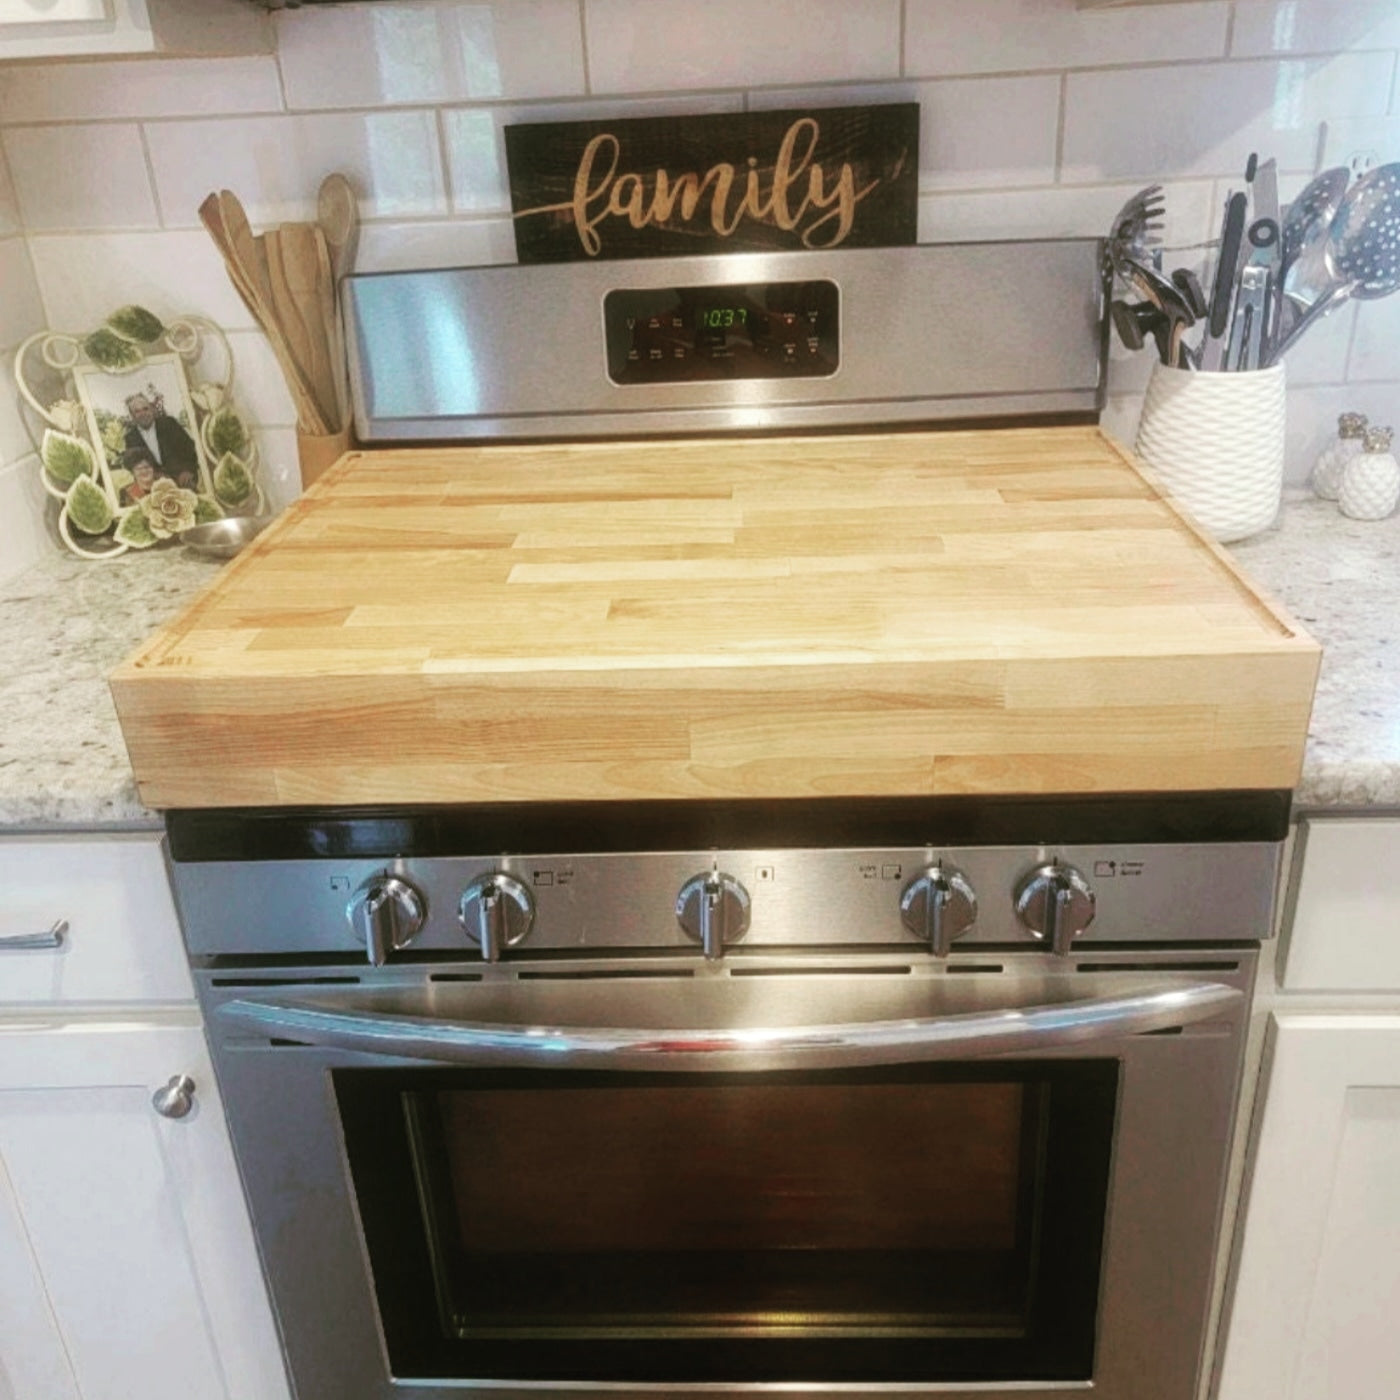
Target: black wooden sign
747,182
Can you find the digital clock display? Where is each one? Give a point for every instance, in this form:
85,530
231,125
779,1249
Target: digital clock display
721,317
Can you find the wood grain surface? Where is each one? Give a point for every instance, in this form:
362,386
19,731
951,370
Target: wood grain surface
1008,611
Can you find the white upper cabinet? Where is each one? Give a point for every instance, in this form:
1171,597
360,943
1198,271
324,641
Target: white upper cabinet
68,28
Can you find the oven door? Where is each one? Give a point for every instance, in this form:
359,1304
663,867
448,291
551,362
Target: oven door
961,1176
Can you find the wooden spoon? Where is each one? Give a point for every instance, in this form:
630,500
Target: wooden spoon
338,215
301,264
288,307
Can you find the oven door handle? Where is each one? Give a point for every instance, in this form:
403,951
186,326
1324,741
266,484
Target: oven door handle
1017,1030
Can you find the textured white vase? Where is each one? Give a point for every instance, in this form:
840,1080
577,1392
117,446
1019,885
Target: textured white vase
1215,441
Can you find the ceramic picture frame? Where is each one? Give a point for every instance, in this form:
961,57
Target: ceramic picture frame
144,423
137,432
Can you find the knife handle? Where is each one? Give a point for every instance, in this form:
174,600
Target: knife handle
1227,269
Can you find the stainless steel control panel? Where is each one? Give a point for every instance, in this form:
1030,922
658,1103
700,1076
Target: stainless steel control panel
791,899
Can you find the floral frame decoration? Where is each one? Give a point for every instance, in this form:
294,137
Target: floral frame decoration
130,453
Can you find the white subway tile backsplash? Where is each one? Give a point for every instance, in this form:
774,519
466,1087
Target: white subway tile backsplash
476,152
411,54
973,133
436,243
21,310
1007,36
1375,351
276,164
14,436
278,468
1059,211
660,45
133,88
1152,123
80,177
259,388
988,131
1365,140
84,277
24,536
1120,415
1320,356
1315,26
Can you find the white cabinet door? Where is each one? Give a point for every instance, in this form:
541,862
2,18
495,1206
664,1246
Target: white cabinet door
1316,1307
127,1264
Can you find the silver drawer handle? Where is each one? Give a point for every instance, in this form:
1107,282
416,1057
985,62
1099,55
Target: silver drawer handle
52,939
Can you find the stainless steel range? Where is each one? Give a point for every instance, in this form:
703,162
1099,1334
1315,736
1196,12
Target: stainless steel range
860,1095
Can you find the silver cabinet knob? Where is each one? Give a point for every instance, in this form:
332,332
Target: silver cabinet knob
176,1098
1056,904
386,913
713,910
498,912
938,906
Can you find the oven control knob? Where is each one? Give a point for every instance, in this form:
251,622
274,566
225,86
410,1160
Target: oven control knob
714,910
938,907
498,912
1056,904
386,913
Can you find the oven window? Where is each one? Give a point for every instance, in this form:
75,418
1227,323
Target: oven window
911,1223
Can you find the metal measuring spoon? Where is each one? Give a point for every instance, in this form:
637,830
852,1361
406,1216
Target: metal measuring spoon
1362,252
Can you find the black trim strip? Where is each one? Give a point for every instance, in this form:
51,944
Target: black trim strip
300,833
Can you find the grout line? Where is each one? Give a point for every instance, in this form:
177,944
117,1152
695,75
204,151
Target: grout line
1061,118
1230,31
277,59
583,43
150,173
444,165
286,110
903,35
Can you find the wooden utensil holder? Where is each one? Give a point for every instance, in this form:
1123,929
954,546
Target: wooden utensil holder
316,454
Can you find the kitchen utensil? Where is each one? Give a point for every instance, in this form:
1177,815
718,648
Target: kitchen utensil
1152,287
1189,285
1222,296
1134,323
338,216
1362,252
222,539
1251,309
1264,254
1304,233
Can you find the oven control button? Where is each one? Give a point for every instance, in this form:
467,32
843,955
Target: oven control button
386,913
1056,904
938,907
714,910
498,912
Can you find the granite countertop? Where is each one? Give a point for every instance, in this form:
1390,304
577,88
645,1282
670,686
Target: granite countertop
1340,579
68,622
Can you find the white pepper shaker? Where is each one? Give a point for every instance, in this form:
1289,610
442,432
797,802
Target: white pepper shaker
1370,487
1332,462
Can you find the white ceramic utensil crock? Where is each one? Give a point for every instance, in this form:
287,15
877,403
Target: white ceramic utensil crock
1215,441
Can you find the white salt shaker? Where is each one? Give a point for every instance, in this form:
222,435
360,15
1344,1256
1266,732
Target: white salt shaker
1370,487
1332,462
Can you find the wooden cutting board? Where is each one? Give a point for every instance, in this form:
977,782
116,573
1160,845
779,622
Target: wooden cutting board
1008,611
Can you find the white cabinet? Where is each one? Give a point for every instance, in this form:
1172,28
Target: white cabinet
1316,1311
122,940
63,28
127,1264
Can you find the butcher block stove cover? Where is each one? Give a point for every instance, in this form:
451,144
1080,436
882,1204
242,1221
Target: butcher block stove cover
1003,611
